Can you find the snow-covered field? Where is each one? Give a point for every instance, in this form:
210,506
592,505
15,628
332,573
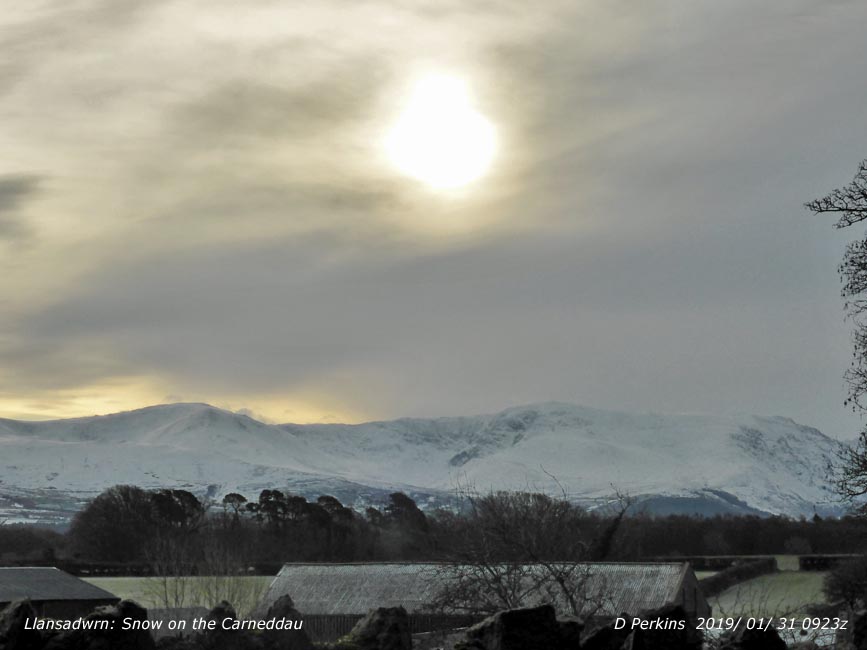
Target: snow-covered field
713,464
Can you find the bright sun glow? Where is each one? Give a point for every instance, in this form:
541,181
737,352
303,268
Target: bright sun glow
441,139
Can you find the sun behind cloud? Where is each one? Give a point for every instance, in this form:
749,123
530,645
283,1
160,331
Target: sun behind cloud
441,139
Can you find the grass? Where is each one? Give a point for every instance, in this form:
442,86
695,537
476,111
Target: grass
775,594
788,591
143,590
787,562
126,588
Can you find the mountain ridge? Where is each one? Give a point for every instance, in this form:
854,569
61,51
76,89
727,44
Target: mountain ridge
753,464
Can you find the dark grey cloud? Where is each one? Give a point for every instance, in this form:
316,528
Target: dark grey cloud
252,109
222,125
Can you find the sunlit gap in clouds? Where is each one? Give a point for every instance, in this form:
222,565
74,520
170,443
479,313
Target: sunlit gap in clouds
440,138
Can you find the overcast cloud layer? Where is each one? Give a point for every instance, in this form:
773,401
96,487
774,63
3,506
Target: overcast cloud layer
195,205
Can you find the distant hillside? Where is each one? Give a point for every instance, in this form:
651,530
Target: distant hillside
675,463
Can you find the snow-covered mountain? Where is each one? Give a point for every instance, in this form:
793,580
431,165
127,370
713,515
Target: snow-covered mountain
686,463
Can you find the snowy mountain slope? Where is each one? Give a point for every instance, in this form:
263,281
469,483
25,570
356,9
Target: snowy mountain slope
749,463
771,464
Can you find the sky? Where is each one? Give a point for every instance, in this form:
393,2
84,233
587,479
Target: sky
196,204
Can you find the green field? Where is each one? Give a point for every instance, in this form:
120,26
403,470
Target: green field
775,594
787,562
146,591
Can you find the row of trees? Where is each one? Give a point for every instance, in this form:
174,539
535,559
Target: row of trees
126,524
644,536
131,525
201,552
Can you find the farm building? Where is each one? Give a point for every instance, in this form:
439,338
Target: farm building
332,597
52,592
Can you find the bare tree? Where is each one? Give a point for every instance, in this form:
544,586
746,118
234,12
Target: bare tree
512,549
203,566
847,583
223,575
173,562
849,205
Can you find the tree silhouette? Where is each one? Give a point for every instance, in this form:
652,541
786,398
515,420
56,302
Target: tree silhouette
115,525
849,205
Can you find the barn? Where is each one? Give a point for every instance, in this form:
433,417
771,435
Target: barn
332,597
52,592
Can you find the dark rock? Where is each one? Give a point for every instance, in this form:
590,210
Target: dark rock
222,639
112,638
131,639
521,629
179,643
386,628
283,605
284,608
13,636
666,628
221,611
570,633
744,639
607,637
859,631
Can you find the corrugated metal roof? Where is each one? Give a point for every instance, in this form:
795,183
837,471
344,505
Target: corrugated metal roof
633,587
354,588
357,588
46,583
